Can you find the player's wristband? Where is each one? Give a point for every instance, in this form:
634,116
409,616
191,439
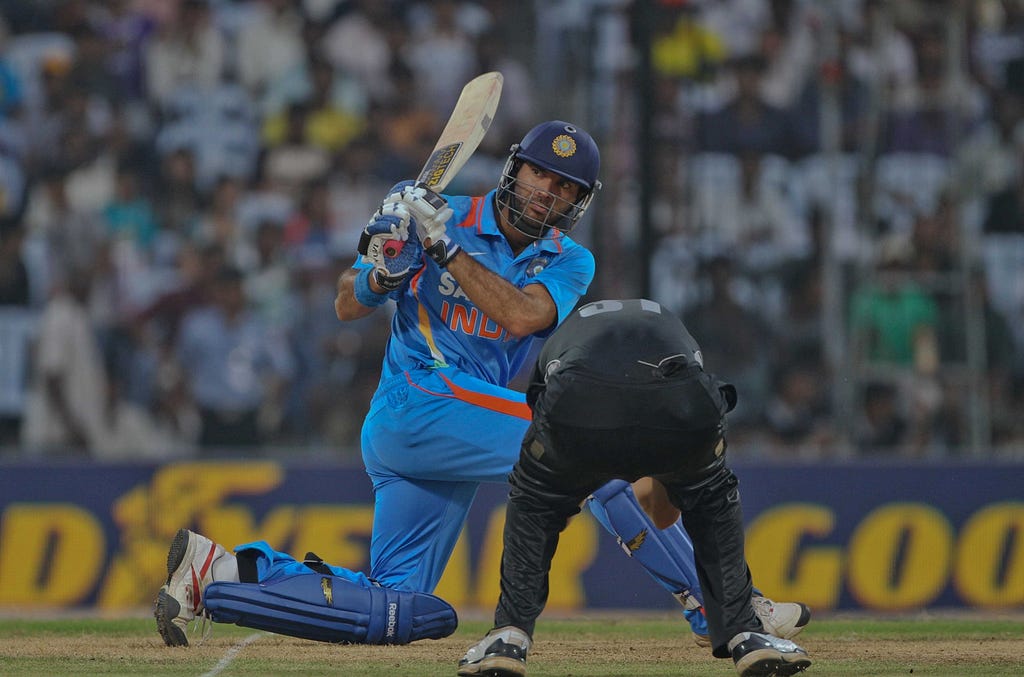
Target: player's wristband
442,251
364,293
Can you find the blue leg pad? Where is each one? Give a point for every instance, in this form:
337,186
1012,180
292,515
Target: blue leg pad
331,609
666,554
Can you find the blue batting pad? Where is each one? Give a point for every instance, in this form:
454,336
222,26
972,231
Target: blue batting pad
666,554
331,609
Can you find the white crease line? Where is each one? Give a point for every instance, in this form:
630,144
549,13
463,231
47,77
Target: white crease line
230,655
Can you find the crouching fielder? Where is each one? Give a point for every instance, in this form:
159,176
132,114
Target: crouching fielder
619,392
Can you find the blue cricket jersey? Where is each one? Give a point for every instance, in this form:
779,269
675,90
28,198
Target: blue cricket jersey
437,325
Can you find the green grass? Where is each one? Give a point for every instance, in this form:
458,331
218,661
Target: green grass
606,646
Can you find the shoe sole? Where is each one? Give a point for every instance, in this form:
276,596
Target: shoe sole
167,608
502,666
771,663
176,553
703,641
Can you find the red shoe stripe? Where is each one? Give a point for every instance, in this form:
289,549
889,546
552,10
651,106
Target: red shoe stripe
196,591
209,560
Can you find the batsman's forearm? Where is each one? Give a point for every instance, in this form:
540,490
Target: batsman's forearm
345,305
520,312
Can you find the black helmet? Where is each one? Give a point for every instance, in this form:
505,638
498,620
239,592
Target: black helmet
563,149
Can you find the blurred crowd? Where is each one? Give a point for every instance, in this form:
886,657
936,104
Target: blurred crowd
839,191
840,219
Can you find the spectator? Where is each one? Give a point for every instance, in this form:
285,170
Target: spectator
988,159
126,29
881,428
442,55
357,43
270,43
313,226
131,229
187,50
17,325
333,363
879,51
237,370
894,323
179,207
15,287
685,47
895,334
797,413
129,431
220,224
746,122
329,125
295,159
129,215
1000,352
1004,211
736,337
268,282
68,239
65,409
757,220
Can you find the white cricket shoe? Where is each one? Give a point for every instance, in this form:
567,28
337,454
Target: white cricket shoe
189,570
501,653
782,619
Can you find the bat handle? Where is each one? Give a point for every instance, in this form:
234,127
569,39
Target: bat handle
393,248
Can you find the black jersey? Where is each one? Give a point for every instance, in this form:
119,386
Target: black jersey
628,341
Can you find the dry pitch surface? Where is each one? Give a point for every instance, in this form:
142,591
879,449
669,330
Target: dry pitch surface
609,644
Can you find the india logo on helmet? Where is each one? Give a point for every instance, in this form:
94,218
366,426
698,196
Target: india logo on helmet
564,146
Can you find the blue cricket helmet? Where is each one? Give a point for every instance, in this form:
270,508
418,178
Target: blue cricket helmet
563,149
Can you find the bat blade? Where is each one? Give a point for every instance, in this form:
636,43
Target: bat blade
461,136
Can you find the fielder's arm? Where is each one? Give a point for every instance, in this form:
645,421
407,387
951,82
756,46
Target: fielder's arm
520,312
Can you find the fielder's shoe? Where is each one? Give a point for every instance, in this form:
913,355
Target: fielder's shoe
189,571
502,653
782,619
759,655
699,626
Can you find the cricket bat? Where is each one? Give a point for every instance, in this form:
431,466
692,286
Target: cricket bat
461,136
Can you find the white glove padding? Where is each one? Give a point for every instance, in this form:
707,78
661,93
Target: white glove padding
389,242
431,213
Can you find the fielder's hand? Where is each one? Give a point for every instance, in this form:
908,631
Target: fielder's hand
392,223
431,212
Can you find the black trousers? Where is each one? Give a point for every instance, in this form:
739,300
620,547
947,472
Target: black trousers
674,433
